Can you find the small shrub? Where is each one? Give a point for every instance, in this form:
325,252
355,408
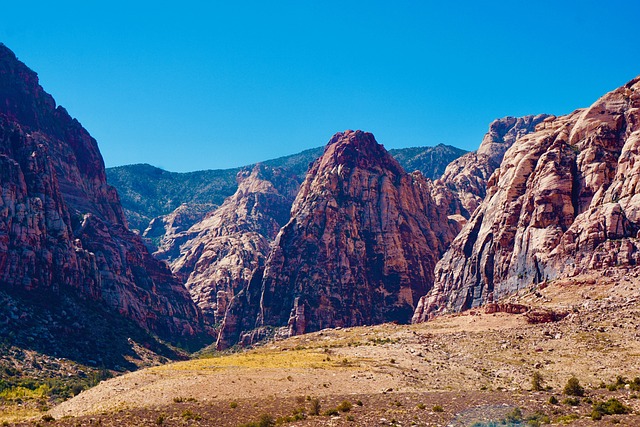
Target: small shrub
189,415
564,419
571,401
596,415
573,387
178,399
330,412
233,405
265,420
344,406
47,418
553,400
537,381
610,407
315,407
514,417
160,420
359,402
350,418
420,406
437,408
537,419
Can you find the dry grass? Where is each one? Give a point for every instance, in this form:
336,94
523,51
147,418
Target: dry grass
488,356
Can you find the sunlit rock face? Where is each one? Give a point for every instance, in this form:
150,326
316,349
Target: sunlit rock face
217,256
360,247
563,202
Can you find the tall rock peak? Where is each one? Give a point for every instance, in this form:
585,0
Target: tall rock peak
360,246
62,226
563,202
357,149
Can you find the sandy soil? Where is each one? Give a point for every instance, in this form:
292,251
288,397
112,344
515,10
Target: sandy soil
464,363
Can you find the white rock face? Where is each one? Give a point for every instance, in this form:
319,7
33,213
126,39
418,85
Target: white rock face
563,201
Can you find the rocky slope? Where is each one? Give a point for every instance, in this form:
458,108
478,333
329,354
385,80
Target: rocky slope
149,193
360,248
216,256
467,176
563,202
430,161
62,228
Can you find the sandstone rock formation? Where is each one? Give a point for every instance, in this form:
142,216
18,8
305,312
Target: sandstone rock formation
217,256
149,194
61,226
360,248
467,175
564,201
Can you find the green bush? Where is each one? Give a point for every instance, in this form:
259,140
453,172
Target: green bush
514,417
331,412
610,407
265,420
573,387
344,406
315,407
537,381
571,401
437,408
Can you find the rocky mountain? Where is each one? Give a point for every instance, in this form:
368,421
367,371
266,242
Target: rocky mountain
62,228
467,176
564,201
360,247
149,193
216,257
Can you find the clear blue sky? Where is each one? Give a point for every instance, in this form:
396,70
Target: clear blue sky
197,85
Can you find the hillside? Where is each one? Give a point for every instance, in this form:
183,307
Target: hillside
147,192
476,367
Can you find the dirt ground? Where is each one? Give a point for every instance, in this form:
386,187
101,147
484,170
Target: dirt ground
474,367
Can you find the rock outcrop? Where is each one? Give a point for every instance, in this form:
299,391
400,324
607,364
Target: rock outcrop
217,256
360,247
467,176
563,202
61,226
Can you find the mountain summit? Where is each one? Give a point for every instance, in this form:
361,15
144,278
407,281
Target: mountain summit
62,228
564,202
360,247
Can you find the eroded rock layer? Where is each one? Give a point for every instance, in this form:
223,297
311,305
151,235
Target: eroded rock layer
564,201
468,175
62,226
217,256
360,248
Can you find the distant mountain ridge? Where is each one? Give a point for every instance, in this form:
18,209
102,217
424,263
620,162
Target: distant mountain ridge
147,192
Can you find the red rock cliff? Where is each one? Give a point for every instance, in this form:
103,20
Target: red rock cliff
361,245
61,225
564,201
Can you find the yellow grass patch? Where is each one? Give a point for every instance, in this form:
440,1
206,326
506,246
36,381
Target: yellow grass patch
254,359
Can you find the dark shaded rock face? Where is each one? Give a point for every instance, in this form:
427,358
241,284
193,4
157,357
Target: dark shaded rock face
217,256
62,226
360,248
564,201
